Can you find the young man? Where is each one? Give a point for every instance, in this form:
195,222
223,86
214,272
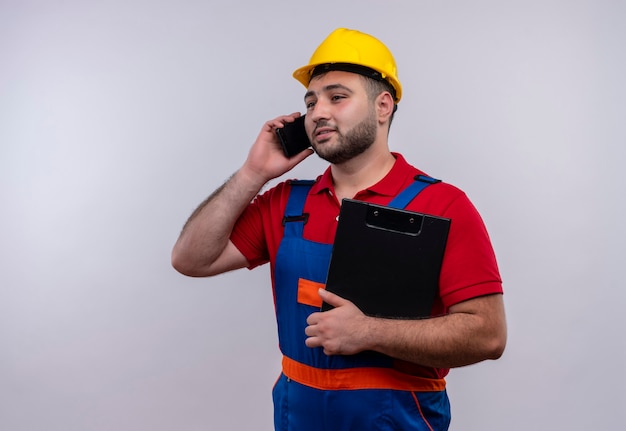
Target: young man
343,369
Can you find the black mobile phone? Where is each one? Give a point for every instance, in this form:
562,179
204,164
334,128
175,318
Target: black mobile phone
293,138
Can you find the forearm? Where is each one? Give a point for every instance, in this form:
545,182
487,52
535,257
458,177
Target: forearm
449,341
203,246
207,231
474,330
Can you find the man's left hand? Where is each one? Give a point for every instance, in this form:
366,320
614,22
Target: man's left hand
340,331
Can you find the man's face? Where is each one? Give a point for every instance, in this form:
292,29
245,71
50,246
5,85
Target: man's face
341,121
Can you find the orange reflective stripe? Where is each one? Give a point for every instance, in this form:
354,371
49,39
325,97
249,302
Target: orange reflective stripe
419,408
358,378
308,292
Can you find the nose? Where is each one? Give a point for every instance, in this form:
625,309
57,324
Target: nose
319,111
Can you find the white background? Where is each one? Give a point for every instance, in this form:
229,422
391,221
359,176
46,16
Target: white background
118,117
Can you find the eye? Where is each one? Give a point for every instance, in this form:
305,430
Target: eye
337,97
309,104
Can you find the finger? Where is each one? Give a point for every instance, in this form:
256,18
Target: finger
283,119
313,319
312,342
279,122
308,332
301,156
332,299
294,115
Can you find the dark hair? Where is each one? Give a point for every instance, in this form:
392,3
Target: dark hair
375,87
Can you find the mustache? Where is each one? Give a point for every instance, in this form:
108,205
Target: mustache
323,123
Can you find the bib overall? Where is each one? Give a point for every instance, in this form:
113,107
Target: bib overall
338,393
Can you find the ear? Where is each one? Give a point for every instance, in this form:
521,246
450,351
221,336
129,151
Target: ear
384,106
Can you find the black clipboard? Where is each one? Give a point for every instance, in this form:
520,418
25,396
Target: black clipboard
387,261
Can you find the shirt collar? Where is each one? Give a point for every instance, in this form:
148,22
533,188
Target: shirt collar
390,185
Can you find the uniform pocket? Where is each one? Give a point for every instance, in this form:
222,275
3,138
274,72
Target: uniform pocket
308,292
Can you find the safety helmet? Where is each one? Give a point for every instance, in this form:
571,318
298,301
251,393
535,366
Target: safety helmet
345,47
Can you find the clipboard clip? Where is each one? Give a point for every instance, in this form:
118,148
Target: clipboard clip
394,220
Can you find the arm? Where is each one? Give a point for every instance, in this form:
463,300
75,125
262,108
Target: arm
203,247
473,331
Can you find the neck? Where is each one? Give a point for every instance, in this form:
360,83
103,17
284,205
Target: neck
361,172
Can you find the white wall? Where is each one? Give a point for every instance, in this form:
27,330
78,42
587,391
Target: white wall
118,117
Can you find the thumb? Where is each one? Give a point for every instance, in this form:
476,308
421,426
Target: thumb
331,298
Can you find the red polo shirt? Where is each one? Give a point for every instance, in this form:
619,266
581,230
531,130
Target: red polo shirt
469,266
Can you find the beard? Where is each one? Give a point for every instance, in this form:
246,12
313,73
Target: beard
355,142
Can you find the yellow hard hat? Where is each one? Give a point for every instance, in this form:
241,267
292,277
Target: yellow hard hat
344,48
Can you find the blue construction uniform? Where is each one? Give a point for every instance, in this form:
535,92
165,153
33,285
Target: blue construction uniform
310,393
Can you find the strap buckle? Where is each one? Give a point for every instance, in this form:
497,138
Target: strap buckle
304,218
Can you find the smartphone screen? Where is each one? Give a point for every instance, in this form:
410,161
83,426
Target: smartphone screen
293,138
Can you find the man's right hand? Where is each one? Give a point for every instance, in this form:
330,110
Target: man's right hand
203,247
266,159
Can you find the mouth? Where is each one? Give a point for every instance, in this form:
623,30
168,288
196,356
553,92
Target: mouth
323,133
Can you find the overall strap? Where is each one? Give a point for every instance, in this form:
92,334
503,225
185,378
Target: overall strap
408,194
294,218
